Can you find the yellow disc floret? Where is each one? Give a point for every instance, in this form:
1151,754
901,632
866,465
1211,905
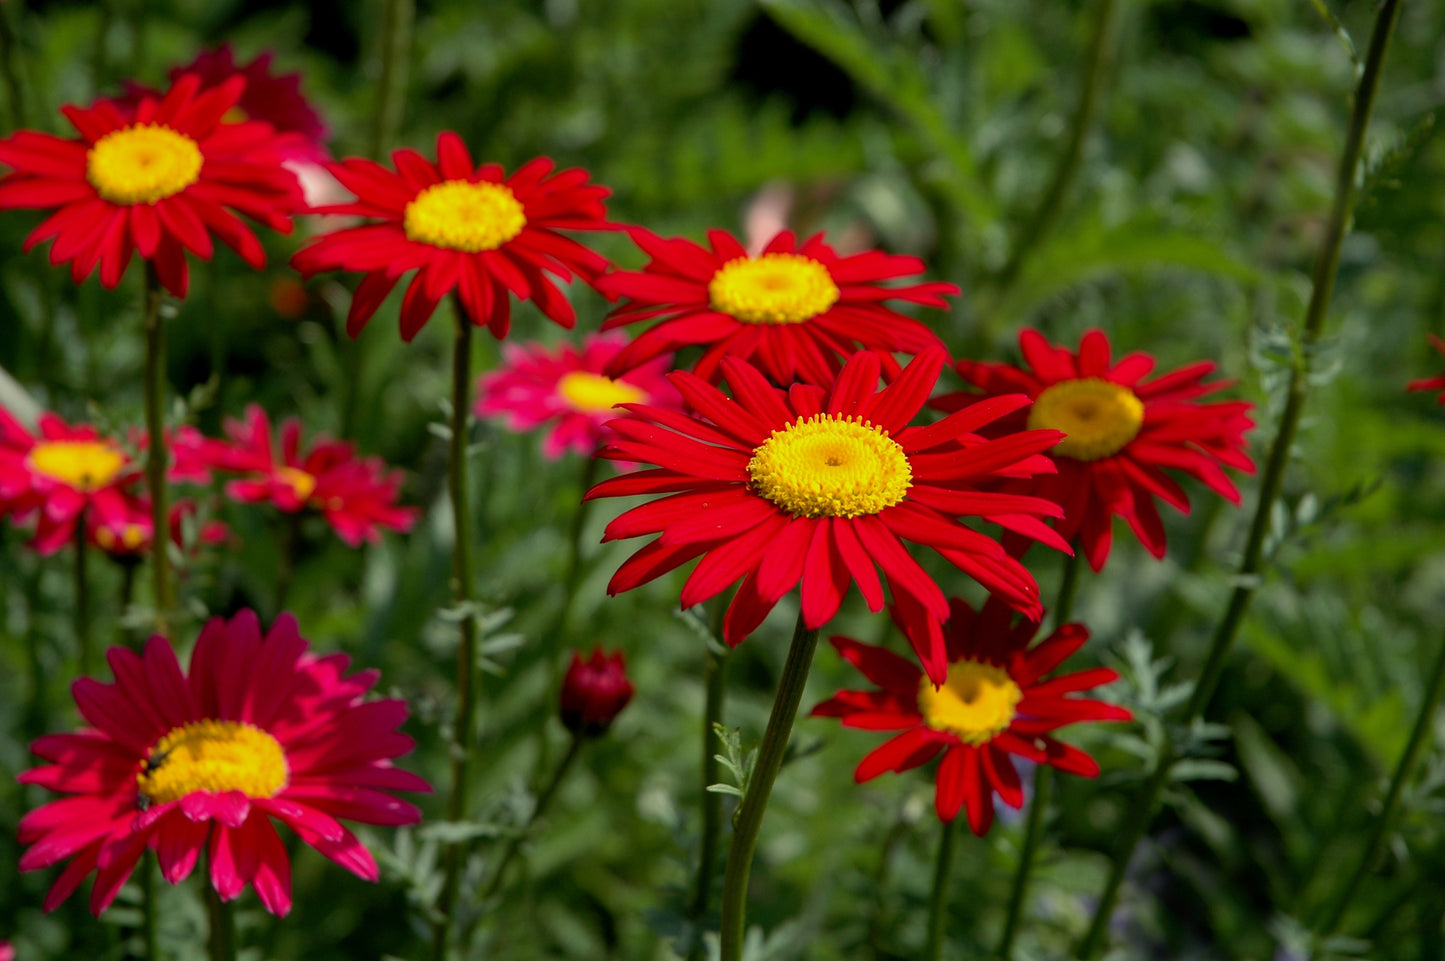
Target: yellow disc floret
302,484
1100,417
142,163
213,756
86,465
460,215
772,289
593,393
831,466
976,703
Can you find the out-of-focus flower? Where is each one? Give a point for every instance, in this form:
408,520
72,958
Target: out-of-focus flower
181,762
160,181
273,98
7,953
823,485
464,229
594,692
355,494
1122,432
1432,383
994,703
567,388
129,536
65,472
795,312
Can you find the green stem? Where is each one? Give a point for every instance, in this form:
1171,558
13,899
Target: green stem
391,85
715,682
223,924
1247,580
1043,778
749,817
155,391
1385,820
573,575
9,58
543,800
82,598
148,907
465,721
938,899
1096,66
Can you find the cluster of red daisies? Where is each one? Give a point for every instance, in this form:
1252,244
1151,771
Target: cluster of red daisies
776,460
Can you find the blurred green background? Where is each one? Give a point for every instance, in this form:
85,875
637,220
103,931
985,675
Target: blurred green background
929,127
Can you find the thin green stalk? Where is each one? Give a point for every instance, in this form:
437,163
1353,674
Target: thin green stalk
462,577
715,682
1385,820
82,598
748,819
573,576
148,907
514,846
223,923
938,899
1326,266
1096,66
1043,779
9,58
155,392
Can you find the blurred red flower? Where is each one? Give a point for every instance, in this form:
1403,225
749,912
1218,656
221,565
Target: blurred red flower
1432,383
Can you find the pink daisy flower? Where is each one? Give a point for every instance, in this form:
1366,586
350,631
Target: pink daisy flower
257,729
568,389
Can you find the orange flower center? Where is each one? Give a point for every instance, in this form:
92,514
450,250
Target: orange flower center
1100,417
460,215
772,289
831,466
143,163
130,538
85,465
213,756
593,393
302,484
976,703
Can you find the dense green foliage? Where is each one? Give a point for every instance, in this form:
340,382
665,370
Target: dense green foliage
931,128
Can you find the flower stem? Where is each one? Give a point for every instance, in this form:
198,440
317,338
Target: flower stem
1326,266
749,817
1043,780
148,907
155,390
544,798
1095,67
223,924
465,720
1385,820
82,598
938,899
9,59
573,574
715,681
391,85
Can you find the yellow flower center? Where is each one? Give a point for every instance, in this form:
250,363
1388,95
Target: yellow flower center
132,536
593,393
86,465
976,703
772,289
464,216
302,483
142,163
1100,417
831,466
213,756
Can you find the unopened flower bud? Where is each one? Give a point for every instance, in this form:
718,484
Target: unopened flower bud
594,692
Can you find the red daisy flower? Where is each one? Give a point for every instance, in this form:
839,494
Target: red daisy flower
158,182
462,228
795,312
994,703
271,98
356,495
130,535
819,485
1431,383
1122,430
259,728
568,388
66,472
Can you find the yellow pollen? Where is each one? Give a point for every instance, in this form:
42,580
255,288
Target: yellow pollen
772,289
302,483
976,703
86,465
593,393
213,756
460,215
132,536
1100,417
831,466
142,163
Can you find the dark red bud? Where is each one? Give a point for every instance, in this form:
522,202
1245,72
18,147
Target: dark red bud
594,692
